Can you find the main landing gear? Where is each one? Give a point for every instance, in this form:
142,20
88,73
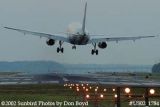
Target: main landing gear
60,48
94,50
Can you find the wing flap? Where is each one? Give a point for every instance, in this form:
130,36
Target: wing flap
55,37
117,39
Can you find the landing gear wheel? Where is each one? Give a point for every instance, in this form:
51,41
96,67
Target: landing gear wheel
62,50
96,52
74,47
58,50
92,52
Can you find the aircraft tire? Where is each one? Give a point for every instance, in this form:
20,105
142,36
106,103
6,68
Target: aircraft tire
92,52
58,50
96,52
62,50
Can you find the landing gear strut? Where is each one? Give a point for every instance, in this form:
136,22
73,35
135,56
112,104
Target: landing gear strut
94,50
60,48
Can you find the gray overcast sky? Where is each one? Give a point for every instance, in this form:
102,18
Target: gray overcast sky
110,17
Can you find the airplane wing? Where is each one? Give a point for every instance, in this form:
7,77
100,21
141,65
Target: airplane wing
117,39
55,37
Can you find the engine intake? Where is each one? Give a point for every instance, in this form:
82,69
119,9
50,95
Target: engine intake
50,42
102,45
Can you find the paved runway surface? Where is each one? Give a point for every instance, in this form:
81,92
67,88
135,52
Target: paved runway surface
103,79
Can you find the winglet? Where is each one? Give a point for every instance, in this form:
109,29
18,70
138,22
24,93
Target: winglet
84,19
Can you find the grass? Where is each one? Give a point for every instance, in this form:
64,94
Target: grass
55,92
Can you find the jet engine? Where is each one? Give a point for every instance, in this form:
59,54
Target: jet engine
50,42
102,45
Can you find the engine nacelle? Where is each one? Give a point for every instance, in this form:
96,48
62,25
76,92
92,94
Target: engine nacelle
50,42
102,45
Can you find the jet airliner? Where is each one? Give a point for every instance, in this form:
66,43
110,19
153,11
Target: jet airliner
81,37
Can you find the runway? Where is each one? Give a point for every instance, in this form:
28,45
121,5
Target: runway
99,79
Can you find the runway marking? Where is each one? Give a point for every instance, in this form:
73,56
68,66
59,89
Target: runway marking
2,83
16,79
4,79
50,82
27,79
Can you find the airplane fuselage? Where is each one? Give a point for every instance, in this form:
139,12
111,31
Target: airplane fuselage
79,39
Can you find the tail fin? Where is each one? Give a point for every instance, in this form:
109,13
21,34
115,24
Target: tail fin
84,19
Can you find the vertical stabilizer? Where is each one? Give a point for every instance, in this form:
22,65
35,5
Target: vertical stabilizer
84,19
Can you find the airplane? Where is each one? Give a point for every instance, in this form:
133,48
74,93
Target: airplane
80,37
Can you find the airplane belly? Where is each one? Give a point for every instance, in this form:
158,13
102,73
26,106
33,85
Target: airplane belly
79,40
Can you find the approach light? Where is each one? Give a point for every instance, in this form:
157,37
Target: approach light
87,96
86,89
105,90
113,89
96,90
77,89
101,96
127,90
90,87
115,96
152,91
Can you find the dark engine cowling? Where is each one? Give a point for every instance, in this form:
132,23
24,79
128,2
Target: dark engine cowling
50,42
102,45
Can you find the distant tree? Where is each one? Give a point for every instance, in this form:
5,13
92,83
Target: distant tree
156,68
